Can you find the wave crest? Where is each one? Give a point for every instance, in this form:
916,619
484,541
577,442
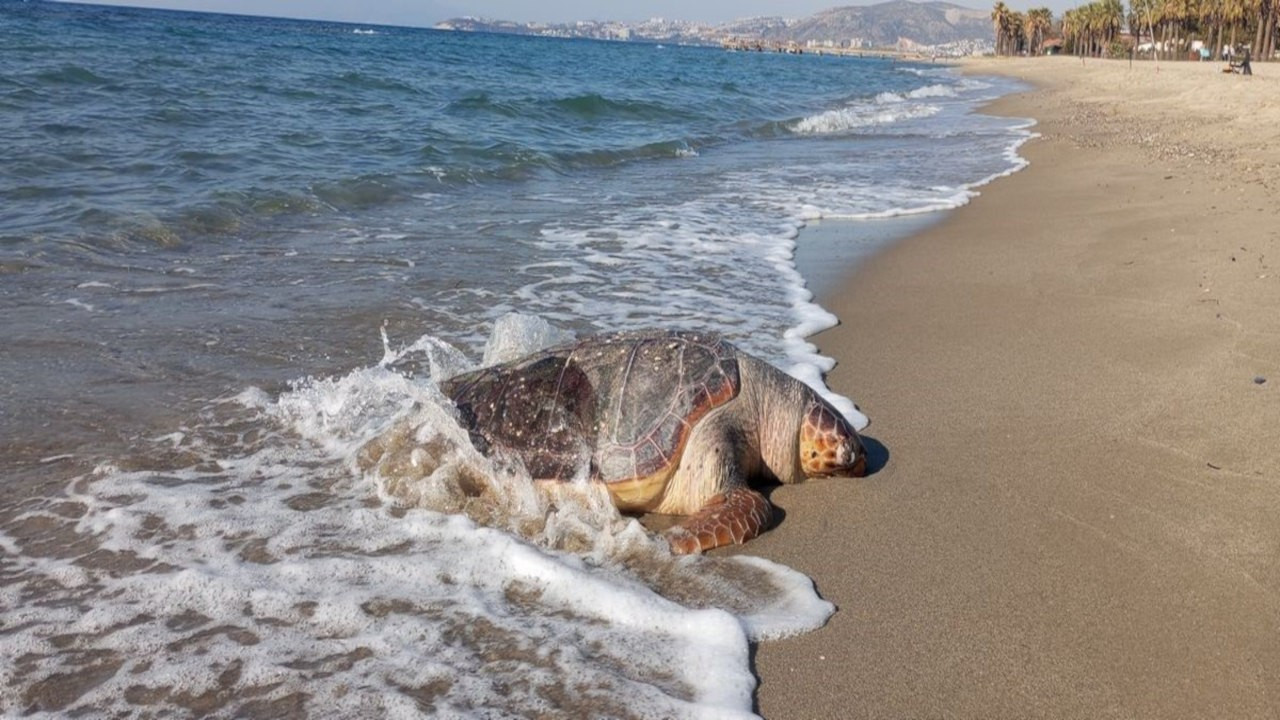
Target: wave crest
594,105
845,119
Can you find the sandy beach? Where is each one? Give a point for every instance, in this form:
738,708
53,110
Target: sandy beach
1075,508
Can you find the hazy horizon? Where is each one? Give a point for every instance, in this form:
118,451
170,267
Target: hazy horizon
425,13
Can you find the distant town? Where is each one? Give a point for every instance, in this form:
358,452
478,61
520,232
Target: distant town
929,28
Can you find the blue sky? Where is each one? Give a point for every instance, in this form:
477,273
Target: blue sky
429,12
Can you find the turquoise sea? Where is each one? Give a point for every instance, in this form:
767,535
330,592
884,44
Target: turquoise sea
235,250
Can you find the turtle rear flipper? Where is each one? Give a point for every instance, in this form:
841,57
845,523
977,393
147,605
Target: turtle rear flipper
730,517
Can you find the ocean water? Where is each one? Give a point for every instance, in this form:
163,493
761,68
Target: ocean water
237,253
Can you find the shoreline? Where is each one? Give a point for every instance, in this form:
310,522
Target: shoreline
829,250
1071,385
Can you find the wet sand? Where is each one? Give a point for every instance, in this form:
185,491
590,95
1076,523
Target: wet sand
1075,508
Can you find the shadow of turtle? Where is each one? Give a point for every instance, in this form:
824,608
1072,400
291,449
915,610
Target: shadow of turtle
877,454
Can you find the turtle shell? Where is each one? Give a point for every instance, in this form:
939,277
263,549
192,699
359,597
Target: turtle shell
621,405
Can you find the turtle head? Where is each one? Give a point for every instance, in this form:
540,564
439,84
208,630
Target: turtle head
829,446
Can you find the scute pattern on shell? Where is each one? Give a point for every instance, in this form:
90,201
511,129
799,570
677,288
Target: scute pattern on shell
621,404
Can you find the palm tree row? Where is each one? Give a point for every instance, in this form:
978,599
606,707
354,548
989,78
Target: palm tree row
1174,24
1094,29
1017,32
1036,27
1009,28
1090,29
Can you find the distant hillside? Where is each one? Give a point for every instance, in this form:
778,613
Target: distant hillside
888,24
898,23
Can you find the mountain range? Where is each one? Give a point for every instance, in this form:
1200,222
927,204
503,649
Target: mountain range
888,24
901,24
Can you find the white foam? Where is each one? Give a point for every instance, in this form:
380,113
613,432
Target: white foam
76,302
165,289
928,91
806,363
843,120
946,199
517,335
798,609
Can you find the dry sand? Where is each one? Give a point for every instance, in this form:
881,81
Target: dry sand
1076,512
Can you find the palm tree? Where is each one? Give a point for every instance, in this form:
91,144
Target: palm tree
1071,31
1210,20
1235,13
1000,15
1017,36
1111,19
1173,24
1264,39
1039,21
1089,29
1179,16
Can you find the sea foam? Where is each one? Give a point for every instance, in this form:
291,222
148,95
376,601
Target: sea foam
885,109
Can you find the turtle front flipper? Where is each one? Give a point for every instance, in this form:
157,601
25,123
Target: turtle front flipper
730,517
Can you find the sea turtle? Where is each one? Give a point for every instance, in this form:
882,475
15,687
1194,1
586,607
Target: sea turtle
671,422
